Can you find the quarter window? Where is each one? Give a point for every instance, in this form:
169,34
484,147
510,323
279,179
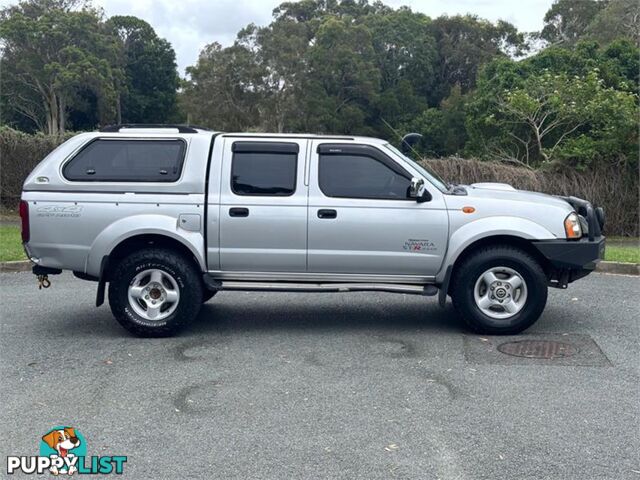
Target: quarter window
360,176
120,160
263,169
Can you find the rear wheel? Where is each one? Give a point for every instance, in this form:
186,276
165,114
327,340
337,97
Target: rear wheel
155,292
499,290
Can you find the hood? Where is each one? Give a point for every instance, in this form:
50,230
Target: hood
504,191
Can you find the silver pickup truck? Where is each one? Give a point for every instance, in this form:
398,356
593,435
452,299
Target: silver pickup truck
169,216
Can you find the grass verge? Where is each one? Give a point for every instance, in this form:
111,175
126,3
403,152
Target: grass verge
11,244
622,253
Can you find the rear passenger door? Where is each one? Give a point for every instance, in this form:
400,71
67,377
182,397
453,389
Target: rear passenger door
263,205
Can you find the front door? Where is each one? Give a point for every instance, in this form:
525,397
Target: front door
263,205
361,220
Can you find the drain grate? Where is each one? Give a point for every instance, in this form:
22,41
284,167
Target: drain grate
546,349
549,349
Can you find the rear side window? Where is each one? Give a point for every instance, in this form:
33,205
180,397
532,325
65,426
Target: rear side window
127,160
264,169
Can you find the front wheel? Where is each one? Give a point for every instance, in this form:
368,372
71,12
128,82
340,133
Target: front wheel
499,290
155,292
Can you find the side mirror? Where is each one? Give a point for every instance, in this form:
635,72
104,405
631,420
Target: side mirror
418,191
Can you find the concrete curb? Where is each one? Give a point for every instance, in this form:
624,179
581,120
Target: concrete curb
19,266
619,268
603,267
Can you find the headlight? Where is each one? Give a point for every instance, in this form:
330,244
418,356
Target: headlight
572,226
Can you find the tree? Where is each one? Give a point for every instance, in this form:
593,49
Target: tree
343,66
221,90
536,117
404,52
279,52
50,53
617,63
443,129
567,20
619,19
343,79
150,81
464,44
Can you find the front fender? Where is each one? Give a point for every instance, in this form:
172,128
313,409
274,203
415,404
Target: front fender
487,227
132,226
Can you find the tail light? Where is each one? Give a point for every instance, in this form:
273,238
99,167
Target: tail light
24,216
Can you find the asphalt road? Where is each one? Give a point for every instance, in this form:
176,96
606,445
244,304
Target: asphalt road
303,386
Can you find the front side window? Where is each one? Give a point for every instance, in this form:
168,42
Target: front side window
264,170
360,176
128,160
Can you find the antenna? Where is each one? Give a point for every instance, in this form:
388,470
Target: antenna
407,141
407,144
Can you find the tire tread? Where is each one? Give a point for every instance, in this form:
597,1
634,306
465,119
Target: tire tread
460,283
190,295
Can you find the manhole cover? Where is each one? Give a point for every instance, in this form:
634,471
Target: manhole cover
537,349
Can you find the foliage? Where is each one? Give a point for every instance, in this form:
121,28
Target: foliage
222,91
570,21
148,91
50,54
341,67
572,106
20,152
618,19
345,66
63,63
567,20
443,128
465,43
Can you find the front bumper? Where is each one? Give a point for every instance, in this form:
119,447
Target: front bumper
571,259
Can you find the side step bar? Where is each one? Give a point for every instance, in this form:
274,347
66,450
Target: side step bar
427,290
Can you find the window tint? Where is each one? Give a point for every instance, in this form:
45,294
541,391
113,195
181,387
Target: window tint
128,161
264,173
357,176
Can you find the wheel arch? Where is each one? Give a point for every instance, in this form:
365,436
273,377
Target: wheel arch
495,240
147,240
134,243
138,231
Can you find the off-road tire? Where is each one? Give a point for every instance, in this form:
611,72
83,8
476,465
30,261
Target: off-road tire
181,268
467,273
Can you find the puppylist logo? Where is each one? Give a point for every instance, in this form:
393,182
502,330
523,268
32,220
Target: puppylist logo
63,451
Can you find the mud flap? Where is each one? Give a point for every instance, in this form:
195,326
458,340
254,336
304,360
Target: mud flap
102,281
444,287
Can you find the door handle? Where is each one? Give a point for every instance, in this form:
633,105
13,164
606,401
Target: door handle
238,212
327,213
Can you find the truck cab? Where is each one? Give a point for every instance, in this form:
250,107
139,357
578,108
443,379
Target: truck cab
167,216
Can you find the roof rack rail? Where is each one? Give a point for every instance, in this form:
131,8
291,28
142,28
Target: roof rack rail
181,128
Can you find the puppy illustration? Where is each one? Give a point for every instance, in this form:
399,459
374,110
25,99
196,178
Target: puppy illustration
62,441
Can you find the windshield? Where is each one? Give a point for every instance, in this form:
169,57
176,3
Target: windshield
433,177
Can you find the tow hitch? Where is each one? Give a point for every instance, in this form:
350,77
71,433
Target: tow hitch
43,282
42,274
